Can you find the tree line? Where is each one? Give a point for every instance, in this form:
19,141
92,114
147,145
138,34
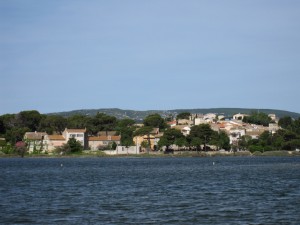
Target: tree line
287,138
14,126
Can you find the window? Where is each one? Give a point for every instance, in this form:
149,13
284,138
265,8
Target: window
79,135
72,135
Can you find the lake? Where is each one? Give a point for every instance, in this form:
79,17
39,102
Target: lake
212,190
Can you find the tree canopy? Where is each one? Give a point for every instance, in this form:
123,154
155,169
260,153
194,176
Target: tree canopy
170,137
258,118
155,120
183,115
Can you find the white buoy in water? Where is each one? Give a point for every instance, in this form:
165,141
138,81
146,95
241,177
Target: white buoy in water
61,165
213,163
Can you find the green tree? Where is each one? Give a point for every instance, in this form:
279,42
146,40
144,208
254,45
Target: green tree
127,137
15,134
244,142
72,146
145,144
183,115
125,123
9,121
196,142
155,120
221,140
125,128
75,145
102,122
114,146
30,119
296,126
202,133
78,121
53,123
180,142
170,137
258,118
286,122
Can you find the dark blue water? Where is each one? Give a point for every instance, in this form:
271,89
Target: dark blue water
246,190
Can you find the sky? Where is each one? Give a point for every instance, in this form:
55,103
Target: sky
140,54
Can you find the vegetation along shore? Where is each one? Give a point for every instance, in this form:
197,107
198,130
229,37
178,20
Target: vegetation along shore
183,134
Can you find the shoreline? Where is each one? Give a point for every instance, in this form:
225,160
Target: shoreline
281,153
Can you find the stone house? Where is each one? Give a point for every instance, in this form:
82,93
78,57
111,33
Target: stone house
35,141
101,142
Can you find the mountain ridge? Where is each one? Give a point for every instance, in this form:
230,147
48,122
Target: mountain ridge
139,115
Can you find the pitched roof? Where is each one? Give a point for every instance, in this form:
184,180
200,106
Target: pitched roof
56,137
105,138
34,135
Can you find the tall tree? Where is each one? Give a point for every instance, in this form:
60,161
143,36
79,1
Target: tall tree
102,122
221,140
125,128
53,123
170,137
286,122
155,120
30,119
78,121
202,133
144,131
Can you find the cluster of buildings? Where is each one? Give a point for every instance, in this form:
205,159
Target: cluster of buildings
41,141
235,128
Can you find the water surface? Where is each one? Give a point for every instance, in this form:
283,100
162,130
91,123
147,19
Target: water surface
225,190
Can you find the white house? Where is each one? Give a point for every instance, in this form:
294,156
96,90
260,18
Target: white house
235,134
239,116
79,134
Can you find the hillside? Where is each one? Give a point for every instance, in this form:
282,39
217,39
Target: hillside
140,115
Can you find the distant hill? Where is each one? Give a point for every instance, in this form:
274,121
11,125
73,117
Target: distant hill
140,115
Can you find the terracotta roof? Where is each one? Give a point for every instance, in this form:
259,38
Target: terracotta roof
34,135
56,137
105,138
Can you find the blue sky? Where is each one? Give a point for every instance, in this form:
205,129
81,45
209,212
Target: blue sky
160,54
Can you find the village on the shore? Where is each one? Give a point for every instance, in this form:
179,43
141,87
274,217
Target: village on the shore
185,132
